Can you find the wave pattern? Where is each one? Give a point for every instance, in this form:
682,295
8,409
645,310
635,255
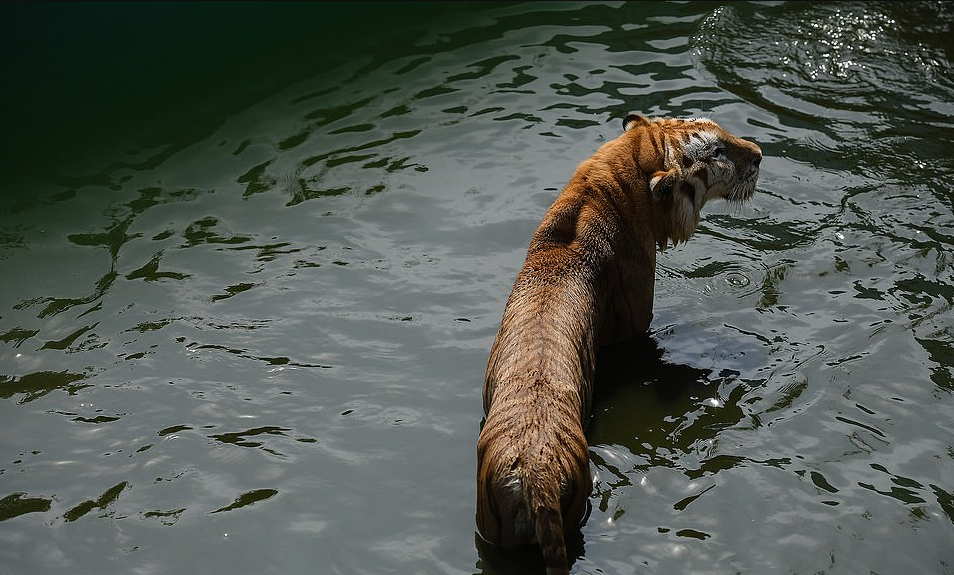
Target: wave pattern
279,314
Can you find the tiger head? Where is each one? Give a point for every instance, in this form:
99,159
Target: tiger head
691,161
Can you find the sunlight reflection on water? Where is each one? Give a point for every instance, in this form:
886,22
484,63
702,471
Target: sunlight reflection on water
277,312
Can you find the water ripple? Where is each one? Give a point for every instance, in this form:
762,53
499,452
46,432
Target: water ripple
277,301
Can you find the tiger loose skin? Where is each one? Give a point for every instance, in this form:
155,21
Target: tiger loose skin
587,281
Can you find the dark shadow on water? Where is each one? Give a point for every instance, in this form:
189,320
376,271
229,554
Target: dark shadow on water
640,362
648,412
641,399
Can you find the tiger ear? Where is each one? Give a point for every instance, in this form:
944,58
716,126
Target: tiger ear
634,120
661,184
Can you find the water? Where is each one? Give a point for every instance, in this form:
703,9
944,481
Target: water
255,256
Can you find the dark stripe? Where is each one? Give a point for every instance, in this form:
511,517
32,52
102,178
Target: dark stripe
654,141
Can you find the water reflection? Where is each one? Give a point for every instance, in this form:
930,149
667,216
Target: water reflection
261,280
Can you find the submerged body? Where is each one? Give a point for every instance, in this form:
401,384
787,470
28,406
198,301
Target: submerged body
587,281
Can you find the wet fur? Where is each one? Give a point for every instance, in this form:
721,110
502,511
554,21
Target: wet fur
587,281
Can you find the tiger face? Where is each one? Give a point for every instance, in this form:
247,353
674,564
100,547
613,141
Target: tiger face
700,161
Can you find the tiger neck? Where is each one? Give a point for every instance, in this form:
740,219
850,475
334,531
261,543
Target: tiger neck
622,163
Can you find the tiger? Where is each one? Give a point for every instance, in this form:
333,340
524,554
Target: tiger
587,281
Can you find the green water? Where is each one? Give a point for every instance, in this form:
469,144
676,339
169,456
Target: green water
255,255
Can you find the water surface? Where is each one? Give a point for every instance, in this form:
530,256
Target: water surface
255,256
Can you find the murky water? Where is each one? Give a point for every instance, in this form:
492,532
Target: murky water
255,257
